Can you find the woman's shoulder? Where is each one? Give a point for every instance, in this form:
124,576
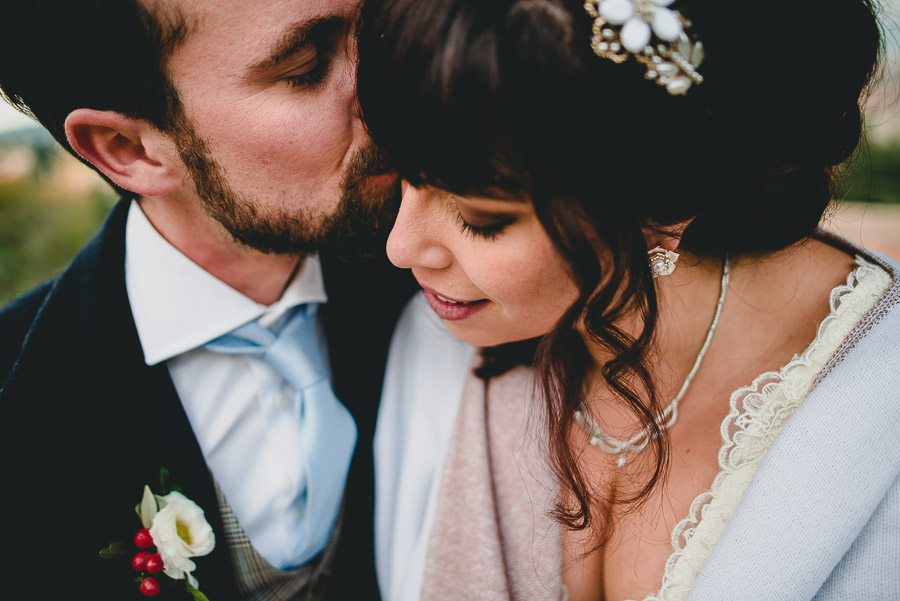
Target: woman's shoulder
871,296
889,264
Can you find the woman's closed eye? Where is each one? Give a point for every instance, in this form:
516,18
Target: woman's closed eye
487,227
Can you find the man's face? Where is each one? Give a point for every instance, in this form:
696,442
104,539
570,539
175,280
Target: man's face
268,126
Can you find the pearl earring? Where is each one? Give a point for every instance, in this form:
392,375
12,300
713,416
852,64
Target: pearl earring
662,261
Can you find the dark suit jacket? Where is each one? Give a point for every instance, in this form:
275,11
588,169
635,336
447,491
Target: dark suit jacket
86,424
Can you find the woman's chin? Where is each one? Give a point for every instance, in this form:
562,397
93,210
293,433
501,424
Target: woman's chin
481,336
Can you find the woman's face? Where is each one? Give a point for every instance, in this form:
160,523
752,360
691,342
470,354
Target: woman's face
487,266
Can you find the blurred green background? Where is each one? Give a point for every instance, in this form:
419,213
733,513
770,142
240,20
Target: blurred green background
50,205
874,176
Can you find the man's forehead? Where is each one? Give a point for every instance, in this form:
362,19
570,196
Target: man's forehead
212,13
237,36
238,40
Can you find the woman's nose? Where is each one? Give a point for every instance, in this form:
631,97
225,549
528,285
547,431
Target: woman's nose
416,240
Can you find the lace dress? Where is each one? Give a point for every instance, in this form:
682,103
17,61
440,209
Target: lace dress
758,413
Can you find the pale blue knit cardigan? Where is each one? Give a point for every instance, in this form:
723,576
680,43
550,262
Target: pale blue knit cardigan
821,519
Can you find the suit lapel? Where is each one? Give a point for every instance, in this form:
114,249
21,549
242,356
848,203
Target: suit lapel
107,422
364,302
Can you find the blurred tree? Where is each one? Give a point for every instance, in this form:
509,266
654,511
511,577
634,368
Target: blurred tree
874,175
40,232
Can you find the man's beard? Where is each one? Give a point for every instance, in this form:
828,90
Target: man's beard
358,226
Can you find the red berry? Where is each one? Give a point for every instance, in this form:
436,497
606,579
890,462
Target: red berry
150,587
143,539
154,563
137,562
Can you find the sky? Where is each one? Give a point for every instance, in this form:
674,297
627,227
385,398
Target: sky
12,120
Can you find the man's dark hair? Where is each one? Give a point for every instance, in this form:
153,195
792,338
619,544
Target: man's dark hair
58,56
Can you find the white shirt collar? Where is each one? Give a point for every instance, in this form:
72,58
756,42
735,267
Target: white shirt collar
178,306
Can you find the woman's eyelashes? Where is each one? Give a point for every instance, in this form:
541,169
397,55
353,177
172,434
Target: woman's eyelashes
488,228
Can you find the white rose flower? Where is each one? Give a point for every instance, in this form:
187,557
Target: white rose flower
180,531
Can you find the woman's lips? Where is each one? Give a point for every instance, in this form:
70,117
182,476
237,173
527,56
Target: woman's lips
451,309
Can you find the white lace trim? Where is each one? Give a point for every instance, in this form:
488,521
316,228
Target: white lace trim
758,413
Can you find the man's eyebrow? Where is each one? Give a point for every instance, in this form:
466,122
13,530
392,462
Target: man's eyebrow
295,38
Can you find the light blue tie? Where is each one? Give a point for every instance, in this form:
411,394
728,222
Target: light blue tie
327,430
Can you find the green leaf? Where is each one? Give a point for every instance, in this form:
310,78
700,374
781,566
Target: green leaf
165,480
166,485
147,509
197,595
117,549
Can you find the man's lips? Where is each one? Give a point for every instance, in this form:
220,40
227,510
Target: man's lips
382,177
452,309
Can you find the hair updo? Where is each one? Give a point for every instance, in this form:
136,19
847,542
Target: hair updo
505,98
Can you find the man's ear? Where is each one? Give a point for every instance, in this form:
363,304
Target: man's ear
131,152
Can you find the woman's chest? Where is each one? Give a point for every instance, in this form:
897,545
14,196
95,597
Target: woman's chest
632,562
635,559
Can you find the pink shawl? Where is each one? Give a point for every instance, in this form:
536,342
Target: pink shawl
493,539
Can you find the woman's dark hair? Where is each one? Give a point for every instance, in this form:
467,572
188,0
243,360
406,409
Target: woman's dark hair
505,98
59,56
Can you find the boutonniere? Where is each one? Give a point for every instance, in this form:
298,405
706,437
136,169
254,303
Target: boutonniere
174,530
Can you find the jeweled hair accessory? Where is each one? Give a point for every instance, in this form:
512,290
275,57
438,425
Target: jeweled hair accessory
629,26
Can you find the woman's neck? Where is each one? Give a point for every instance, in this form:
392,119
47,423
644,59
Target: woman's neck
686,302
